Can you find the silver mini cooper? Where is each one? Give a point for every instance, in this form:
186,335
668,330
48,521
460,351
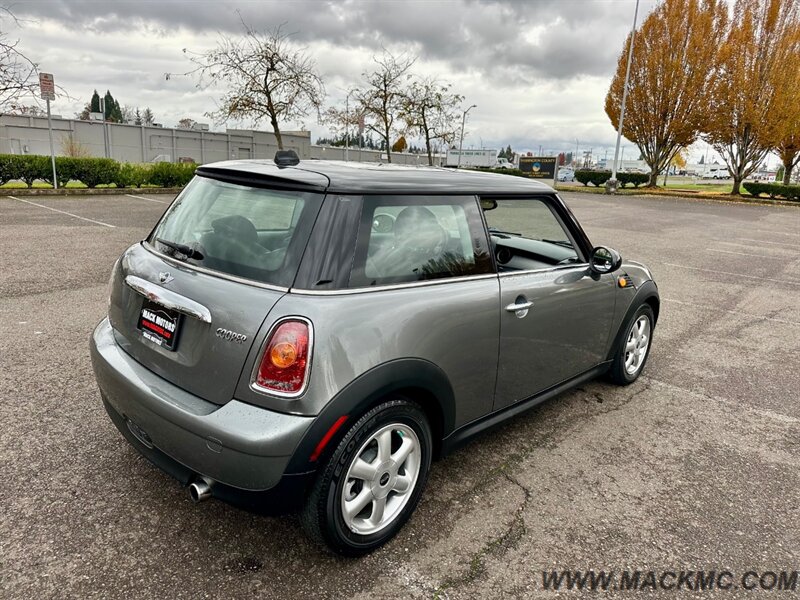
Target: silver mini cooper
311,335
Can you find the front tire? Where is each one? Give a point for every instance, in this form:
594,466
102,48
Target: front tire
373,480
634,347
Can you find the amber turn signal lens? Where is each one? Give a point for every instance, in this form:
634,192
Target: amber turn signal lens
283,355
622,282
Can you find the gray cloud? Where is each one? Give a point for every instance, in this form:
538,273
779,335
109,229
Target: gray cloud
538,69
578,37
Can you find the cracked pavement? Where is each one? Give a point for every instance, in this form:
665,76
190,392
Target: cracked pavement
692,467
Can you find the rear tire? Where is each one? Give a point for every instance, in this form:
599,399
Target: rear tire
373,480
634,347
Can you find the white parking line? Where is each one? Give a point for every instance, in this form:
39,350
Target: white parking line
775,232
773,243
789,281
148,199
733,312
745,253
750,246
63,212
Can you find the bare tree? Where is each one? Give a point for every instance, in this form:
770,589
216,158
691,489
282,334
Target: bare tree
127,115
265,75
342,120
382,98
431,110
17,71
28,110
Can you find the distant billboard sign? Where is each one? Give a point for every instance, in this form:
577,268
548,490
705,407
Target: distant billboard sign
538,167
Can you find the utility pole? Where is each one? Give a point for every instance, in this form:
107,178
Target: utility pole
347,128
461,142
611,184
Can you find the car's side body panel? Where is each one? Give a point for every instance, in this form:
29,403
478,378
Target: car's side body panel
453,325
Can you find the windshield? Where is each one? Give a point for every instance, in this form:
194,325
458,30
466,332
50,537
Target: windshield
248,232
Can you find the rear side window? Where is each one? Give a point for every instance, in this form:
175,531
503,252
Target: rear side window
254,233
405,239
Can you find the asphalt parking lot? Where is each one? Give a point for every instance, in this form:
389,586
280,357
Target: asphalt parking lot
693,467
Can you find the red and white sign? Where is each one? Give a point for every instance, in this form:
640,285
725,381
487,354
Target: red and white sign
47,86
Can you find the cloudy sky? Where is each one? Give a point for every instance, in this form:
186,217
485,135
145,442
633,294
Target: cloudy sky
537,69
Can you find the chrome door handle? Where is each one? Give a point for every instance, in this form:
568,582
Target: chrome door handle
518,307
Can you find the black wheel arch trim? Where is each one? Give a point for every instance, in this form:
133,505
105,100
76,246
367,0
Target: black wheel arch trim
646,292
366,391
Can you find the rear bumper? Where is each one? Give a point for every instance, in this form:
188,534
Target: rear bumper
240,446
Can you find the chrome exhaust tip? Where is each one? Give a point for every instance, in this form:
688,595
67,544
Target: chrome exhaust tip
199,490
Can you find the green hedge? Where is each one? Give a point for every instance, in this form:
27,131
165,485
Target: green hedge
93,171
635,179
773,190
171,174
587,176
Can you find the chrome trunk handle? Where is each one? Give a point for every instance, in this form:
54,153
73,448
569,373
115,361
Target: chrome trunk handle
168,298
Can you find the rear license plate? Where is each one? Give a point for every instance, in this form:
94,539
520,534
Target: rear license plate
159,324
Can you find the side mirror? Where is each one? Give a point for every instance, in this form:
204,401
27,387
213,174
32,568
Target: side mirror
604,260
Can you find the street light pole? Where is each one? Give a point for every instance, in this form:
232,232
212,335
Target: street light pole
611,184
461,141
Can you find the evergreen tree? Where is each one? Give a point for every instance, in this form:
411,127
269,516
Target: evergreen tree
95,102
137,117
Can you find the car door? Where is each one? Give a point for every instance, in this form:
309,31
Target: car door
555,314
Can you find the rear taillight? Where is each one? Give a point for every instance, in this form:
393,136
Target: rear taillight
285,361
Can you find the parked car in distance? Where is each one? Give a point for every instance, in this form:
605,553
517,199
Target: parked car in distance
565,174
310,335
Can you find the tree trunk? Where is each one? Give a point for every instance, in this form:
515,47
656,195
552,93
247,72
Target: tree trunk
277,131
788,166
388,146
428,146
737,182
653,181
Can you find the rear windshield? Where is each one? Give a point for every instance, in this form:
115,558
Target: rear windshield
254,233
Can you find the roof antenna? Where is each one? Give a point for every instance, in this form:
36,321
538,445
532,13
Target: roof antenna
286,158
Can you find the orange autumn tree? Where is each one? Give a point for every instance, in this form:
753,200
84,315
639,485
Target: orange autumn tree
674,54
750,90
788,147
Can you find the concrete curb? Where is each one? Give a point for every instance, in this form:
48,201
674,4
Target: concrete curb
686,194
85,191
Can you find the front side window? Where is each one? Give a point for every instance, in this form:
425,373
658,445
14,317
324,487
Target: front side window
248,232
527,235
406,239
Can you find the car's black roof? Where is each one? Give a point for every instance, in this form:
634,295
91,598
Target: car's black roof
370,178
